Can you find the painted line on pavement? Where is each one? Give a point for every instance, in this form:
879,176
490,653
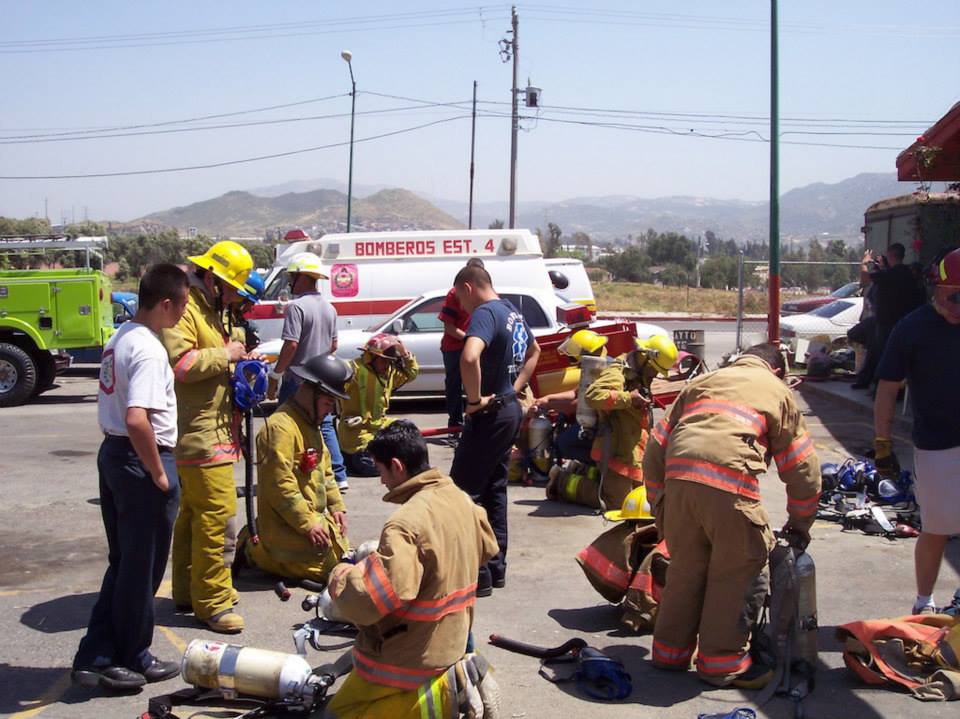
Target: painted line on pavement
53,695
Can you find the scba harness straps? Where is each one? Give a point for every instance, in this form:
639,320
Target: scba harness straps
596,674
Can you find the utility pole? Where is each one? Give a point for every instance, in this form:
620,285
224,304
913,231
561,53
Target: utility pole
773,310
473,138
511,49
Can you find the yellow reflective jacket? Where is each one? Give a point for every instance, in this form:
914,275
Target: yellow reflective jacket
722,431
208,426
413,598
609,394
293,493
365,412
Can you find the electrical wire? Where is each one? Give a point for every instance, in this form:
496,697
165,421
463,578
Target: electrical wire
200,128
227,163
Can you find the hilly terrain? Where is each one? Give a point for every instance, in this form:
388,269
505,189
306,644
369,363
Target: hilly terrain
243,214
832,209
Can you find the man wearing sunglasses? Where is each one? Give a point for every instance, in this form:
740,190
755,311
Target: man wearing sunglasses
924,350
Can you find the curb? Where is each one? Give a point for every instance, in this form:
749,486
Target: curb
901,423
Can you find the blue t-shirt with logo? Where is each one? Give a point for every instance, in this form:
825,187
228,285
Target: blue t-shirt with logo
506,336
924,349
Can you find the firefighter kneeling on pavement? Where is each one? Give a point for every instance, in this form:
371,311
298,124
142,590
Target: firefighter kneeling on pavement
620,396
301,517
702,468
413,598
384,366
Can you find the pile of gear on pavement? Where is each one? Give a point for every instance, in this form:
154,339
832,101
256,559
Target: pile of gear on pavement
858,496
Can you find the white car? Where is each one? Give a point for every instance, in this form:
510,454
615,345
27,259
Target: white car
820,328
419,328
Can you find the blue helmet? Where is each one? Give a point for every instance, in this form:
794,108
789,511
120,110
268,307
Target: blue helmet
253,288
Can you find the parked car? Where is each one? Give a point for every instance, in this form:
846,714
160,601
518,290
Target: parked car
419,328
808,304
820,328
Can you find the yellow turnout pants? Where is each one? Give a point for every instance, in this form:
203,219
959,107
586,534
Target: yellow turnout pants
360,699
306,562
208,498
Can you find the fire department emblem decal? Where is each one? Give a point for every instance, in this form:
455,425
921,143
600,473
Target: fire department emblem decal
108,379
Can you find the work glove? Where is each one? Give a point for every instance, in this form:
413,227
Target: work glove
796,535
884,459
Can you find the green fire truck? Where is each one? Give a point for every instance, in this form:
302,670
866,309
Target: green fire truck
44,312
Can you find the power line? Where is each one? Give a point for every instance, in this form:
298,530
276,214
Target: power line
226,163
222,126
199,118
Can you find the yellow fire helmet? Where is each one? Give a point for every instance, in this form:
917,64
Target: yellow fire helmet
306,263
661,352
635,506
583,342
227,260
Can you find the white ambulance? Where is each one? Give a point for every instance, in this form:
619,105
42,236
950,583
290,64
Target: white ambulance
373,274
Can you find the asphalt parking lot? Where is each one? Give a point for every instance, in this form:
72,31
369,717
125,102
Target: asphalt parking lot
53,550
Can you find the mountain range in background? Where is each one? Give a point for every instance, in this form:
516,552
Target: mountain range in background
320,205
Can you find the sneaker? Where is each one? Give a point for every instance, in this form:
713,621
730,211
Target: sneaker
926,609
225,622
756,677
160,671
113,678
343,485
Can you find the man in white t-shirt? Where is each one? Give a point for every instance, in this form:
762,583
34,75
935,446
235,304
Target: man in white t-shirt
139,489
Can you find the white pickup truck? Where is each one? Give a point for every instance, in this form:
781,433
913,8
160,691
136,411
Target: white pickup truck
419,328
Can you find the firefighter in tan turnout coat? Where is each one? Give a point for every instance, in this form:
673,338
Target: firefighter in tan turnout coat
702,468
413,598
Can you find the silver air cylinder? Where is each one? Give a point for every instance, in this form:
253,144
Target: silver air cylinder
806,608
235,670
590,369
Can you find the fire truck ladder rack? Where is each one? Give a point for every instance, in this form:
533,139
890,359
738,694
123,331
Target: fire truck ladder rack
42,243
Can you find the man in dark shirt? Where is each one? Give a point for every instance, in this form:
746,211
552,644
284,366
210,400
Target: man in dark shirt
924,349
499,355
897,292
455,321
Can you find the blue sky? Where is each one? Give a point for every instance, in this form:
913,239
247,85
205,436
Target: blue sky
670,73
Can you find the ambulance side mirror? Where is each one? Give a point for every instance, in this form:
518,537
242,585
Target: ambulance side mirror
396,327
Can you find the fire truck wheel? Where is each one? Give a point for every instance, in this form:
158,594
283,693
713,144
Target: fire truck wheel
18,375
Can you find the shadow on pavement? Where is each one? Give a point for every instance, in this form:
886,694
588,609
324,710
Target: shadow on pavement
598,618
63,614
548,508
30,689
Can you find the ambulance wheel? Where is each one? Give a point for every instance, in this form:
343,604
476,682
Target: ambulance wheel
18,375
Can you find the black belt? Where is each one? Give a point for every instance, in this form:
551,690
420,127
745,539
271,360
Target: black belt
124,438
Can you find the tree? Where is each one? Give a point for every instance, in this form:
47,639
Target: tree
719,272
495,225
553,239
582,239
671,248
628,266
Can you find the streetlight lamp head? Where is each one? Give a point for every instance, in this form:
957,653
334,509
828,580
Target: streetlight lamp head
346,55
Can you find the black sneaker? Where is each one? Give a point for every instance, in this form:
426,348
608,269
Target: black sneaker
160,671
499,582
118,679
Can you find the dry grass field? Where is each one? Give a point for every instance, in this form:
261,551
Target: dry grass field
637,297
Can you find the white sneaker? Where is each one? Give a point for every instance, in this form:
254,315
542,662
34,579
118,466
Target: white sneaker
925,609
343,486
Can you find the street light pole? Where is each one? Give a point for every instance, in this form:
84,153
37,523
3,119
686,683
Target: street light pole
515,120
348,56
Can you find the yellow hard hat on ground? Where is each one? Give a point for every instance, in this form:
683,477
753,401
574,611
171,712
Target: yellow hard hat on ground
227,260
582,342
661,352
635,506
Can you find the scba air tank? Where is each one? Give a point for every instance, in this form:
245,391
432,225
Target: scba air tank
806,608
590,369
234,670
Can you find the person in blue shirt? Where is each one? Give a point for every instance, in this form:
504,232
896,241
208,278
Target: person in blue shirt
498,358
924,350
